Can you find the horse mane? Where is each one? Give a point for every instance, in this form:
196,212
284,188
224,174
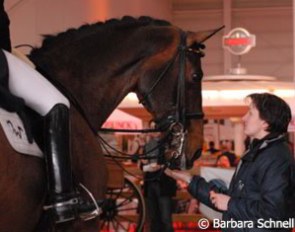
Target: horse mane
88,29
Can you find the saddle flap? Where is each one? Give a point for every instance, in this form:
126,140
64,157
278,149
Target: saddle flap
16,135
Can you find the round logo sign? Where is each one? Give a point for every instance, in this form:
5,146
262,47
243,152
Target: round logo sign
239,41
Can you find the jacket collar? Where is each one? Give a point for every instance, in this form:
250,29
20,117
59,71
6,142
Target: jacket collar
260,144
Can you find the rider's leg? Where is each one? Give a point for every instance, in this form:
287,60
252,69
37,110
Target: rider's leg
40,95
58,160
26,83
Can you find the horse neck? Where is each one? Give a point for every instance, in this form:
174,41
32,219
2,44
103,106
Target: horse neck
110,97
100,74
98,91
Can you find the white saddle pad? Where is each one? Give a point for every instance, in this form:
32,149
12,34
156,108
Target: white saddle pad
16,135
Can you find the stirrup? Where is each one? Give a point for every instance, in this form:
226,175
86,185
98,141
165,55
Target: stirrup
86,216
89,215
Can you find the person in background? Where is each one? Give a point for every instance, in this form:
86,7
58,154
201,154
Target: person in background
212,150
159,188
226,158
136,146
263,186
17,79
223,161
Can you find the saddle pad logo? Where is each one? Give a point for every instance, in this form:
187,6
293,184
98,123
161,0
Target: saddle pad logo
16,135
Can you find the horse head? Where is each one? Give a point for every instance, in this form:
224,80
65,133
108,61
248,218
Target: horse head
170,89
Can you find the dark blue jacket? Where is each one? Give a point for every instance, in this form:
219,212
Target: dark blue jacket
263,186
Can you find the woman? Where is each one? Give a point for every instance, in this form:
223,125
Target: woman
263,185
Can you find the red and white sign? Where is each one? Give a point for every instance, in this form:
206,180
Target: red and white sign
121,120
239,41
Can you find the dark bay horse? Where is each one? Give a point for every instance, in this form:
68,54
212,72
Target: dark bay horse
99,65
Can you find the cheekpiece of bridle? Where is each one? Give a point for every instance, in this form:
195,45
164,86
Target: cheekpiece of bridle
175,123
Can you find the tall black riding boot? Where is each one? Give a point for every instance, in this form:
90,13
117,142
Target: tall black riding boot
63,200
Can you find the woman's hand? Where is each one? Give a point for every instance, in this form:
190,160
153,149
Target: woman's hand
179,175
220,201
153,167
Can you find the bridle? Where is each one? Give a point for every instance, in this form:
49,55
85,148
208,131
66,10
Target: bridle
175,123
180,114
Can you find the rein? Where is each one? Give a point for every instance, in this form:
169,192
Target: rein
130,130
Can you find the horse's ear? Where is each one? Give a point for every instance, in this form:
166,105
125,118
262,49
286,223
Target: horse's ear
201,36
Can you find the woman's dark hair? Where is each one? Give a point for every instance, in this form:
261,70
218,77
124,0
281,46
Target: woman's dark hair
273,110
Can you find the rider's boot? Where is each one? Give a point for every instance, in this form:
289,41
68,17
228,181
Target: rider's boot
62,195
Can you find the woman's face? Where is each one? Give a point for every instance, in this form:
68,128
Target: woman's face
254,126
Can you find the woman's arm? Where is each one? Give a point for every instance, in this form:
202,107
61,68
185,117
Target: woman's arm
198,187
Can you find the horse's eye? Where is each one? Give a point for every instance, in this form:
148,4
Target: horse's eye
197,76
